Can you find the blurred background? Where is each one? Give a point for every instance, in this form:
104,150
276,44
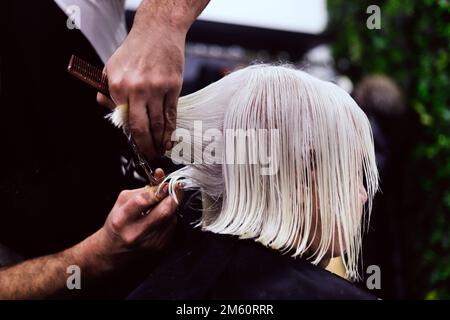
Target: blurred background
394,60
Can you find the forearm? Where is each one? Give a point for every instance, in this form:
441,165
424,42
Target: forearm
175,14
45,276
125,235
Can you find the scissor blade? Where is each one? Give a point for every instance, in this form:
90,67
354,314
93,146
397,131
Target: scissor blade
143,163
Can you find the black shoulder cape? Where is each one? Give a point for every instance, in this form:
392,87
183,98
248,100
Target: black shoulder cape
212,266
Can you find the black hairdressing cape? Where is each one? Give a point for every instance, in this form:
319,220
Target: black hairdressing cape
210,266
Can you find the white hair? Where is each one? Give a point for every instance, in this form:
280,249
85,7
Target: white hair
324,154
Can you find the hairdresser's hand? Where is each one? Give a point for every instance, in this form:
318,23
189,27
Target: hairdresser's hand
125,234
147,72
141,220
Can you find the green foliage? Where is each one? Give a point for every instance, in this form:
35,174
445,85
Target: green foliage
413,48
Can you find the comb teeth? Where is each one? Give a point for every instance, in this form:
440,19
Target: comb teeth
89,74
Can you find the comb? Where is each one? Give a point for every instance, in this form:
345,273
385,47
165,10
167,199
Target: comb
89,74
96,78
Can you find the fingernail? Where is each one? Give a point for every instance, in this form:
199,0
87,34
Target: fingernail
180,185
169,145
162,193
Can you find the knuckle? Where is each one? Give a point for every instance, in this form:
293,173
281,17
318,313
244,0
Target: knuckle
123,195
138,86
138,129
174,82
145,194
117,222
140,201
115,85
157,125
129,239
158,83
165,83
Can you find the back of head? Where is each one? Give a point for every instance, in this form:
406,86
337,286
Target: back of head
282,157
277,147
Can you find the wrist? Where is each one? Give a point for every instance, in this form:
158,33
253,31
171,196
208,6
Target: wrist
152,15
93,254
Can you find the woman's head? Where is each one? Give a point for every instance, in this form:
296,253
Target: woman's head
286,159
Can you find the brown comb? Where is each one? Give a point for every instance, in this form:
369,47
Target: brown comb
88,74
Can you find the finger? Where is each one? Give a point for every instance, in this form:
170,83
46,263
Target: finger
117,92
140,202
105,101
170,118
159,175
179,192
155,112
161,213
139,126
126,195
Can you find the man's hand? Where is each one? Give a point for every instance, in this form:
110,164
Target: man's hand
141,220
146,71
